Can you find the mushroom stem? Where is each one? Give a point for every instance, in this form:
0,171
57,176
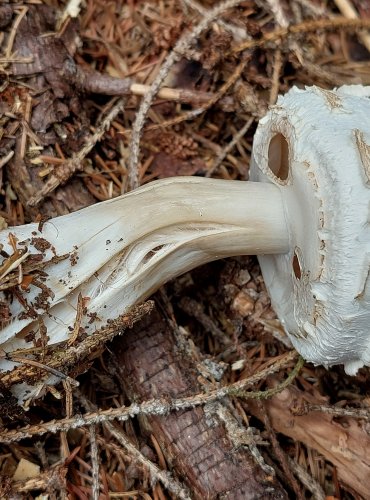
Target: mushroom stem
125,248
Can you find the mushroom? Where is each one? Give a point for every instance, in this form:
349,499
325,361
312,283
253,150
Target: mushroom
314,145
305,213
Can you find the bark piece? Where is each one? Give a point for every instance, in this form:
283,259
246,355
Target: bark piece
51,96
165,165
36,38
196,447
345,443
6,14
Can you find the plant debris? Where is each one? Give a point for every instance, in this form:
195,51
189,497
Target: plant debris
97,98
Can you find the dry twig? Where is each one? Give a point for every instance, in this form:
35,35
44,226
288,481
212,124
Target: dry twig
172,485
76,162
349,12
178,51
307,480
162,407
94,462
225,151
272,37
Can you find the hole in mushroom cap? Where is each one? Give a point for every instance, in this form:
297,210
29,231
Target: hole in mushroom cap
296,266
278,157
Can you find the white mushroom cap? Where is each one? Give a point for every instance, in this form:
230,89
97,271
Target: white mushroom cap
315,146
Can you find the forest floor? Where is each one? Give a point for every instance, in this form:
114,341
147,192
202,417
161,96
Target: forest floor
75,130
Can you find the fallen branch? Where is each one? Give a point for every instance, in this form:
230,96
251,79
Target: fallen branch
159,406
59,358
205,445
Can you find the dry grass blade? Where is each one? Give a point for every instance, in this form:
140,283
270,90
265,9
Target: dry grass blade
156,474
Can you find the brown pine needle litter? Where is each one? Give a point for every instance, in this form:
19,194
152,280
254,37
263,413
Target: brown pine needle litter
185,394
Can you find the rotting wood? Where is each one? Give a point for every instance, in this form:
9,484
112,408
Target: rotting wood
43,92
194,444
344,443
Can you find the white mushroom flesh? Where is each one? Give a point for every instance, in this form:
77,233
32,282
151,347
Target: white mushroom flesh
122,250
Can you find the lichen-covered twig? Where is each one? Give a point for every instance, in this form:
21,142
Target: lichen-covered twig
156,474
94,462
163,406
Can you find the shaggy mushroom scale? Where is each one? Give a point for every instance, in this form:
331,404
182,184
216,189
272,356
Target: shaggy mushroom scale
314,145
